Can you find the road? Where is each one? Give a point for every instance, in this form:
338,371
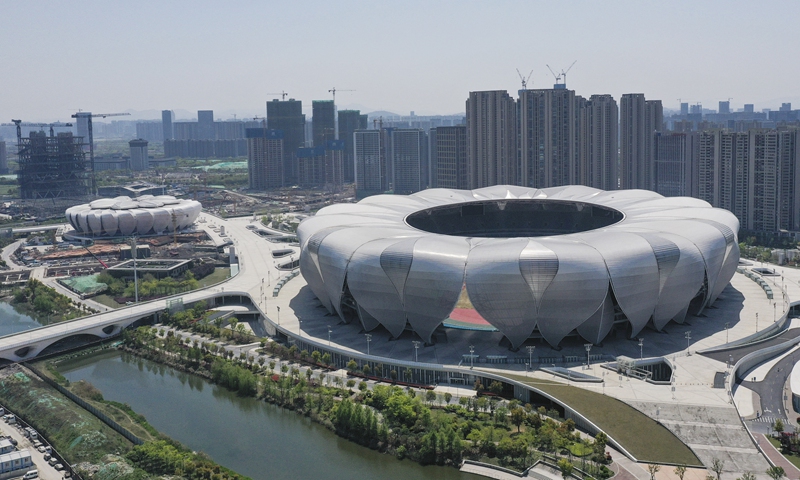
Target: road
256,266
771,390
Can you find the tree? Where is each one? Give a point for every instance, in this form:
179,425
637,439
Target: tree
652,469
776,473
566,467
680,471
518,416
326,358
352,365
716,466
747,476
315,355
447,397
366,370
778,425
430,396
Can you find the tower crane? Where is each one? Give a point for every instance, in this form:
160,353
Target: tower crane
334,90
524,80
562,77
88,116
19,124
282,94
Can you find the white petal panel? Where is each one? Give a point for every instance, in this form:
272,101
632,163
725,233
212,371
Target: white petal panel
633,270
497,289
576,292
434,281
372,288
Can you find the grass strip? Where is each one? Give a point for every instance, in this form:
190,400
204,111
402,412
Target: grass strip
643,437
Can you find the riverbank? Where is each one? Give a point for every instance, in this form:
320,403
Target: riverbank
91,446
45,305
401,422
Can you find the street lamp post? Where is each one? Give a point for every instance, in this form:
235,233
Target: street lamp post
279,314
641,348
416,350
471,357
588,347
756,322
727,326
135,273
688,340
530,349
774,312
369,338
329,335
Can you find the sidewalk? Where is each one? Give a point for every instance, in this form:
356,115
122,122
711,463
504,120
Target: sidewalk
776,457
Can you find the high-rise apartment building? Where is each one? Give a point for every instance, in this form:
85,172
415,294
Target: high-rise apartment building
264,158
370,169
725,107
491,139
773,183
205,125
288,117
334,163
349,122
3,158
140,160
323,121
449,157
598,138
675,169
167,118
408,155
547,137
639,121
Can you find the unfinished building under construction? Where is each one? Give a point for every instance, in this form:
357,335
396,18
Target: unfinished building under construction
53,167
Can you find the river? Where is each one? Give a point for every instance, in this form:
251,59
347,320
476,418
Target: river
253,438
12,321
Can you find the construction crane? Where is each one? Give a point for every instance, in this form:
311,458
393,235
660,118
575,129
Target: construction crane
88,116
524,80
562,77
334,90
282,94
19,124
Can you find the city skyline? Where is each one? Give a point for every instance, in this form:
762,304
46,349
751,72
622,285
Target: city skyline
622,47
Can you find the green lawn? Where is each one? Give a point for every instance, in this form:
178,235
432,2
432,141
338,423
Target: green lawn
642,436
106,300
794,459
219,275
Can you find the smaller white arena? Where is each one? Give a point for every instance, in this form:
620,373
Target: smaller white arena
125,216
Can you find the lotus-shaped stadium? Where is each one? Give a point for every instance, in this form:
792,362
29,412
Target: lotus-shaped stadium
124,216
552,261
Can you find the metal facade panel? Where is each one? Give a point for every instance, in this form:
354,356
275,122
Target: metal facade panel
683,282
372,289
94,220
161,219
396,262
595,329
633,270
434,281
576,292
127,222
498,290
538,266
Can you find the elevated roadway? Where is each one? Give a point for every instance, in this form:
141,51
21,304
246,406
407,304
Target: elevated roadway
257,270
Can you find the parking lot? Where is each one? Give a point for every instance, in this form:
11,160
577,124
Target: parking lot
16,433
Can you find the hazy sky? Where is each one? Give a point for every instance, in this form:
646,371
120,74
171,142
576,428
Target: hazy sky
110,56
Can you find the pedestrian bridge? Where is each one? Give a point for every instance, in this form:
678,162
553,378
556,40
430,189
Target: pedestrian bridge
32,343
